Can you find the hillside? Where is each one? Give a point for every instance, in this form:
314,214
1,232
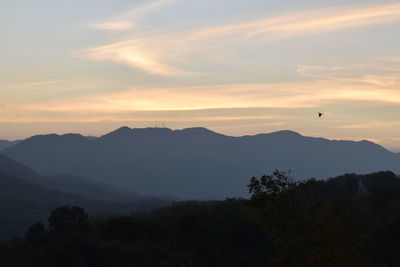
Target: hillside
22,203
5,144
26,196
67,183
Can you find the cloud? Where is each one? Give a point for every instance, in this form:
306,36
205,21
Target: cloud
128,19
36,83
372,125
318,21
391,59
134,54
327,85
79,117
375,74
113,25
231,108
161,54
311,93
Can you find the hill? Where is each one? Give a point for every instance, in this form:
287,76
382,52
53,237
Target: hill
26,196
5,144
67,183
196,163
22,203
91,189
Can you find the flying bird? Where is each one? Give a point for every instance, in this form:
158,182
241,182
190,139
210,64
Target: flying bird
320,114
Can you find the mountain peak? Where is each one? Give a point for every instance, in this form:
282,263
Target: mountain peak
70,137
280,134
286,133
198,131
125,132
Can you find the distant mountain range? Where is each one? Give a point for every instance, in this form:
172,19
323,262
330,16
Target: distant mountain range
196,163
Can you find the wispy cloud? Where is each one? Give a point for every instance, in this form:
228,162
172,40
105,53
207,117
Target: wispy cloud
377,74
162,54
353,83
135,54
113,25
128,19
133,117
372,125
36,83
279,95
318,21
391,59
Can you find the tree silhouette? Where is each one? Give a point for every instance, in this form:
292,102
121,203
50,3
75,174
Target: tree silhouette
37,233
305,230
67,219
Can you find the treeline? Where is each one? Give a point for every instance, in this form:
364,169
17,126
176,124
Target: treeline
351,220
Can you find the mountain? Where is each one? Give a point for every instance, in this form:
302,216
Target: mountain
26,197
66,183
23,203
196,163
90,189
10,167
5,144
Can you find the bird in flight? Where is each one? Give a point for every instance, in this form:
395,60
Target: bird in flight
320,114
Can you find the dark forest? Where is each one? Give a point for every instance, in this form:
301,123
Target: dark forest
350,220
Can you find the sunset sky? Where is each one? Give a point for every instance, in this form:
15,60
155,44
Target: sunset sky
233,66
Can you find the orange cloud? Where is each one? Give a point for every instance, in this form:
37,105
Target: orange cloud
161,54
135,55
378,74
275,95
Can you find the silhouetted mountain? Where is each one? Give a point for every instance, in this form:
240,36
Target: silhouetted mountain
22,203
26,196
67,183
90,189
12,168
196,162
5,144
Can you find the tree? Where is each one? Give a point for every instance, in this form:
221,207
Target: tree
68,219
37,233
305,231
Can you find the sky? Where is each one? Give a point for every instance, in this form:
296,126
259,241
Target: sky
236,67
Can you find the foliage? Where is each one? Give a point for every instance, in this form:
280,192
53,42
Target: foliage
217,233
68,219
351,220
305,230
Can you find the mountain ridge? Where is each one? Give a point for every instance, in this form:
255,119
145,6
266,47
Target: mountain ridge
132,131
197,162
65,183
6,144
26,197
